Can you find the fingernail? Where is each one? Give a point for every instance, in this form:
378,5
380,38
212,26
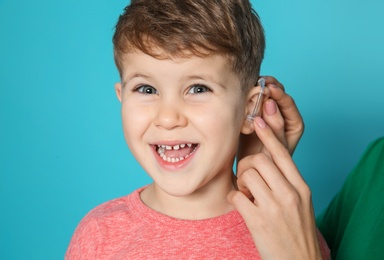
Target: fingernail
273,85
260,122
270,107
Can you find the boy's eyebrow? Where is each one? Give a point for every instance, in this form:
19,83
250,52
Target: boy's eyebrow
207,77
204,77
135,75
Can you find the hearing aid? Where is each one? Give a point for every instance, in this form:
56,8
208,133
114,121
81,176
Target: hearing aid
257,110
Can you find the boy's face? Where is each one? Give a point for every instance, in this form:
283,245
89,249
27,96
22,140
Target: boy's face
182,119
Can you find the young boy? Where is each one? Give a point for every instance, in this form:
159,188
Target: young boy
188,70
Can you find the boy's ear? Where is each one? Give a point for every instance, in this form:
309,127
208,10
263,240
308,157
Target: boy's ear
247,127
118,91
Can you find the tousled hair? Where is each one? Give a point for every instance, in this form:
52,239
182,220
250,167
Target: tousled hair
181,28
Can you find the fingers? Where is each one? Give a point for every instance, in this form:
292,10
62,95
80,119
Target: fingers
280,155
261,181
286,104
244,206
294,125
254,187
273,117
293,122
258,177
247,210
269,80
261,174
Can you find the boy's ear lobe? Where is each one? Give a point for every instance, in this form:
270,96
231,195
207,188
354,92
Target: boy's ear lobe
118,91
247,127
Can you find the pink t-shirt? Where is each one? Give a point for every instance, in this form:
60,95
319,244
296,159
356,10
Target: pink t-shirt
125,228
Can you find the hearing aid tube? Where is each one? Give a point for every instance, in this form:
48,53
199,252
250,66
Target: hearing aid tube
257,110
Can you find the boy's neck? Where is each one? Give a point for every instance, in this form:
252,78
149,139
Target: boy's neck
202,204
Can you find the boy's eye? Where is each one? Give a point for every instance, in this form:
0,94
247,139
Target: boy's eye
146,89
196,89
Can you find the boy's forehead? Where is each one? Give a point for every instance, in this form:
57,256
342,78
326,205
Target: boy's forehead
136,56
180,55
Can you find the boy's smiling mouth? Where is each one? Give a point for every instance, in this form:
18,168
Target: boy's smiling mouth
175,153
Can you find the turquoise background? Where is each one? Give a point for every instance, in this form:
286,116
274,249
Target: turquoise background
62,150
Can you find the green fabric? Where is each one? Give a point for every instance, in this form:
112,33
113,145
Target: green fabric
353,223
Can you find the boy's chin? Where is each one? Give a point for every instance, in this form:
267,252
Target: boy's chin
179,192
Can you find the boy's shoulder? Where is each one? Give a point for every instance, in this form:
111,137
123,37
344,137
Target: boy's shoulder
113,211
110,207
121,205
105,226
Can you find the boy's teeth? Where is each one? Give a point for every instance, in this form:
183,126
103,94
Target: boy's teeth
174,147
162,148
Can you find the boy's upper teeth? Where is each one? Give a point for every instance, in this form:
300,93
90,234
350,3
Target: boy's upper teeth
174,147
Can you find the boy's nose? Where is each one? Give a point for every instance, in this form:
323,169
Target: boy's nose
170,116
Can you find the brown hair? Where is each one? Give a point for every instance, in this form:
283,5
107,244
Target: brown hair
193,27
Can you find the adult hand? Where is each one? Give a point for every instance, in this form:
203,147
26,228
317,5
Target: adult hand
281,114
275,202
